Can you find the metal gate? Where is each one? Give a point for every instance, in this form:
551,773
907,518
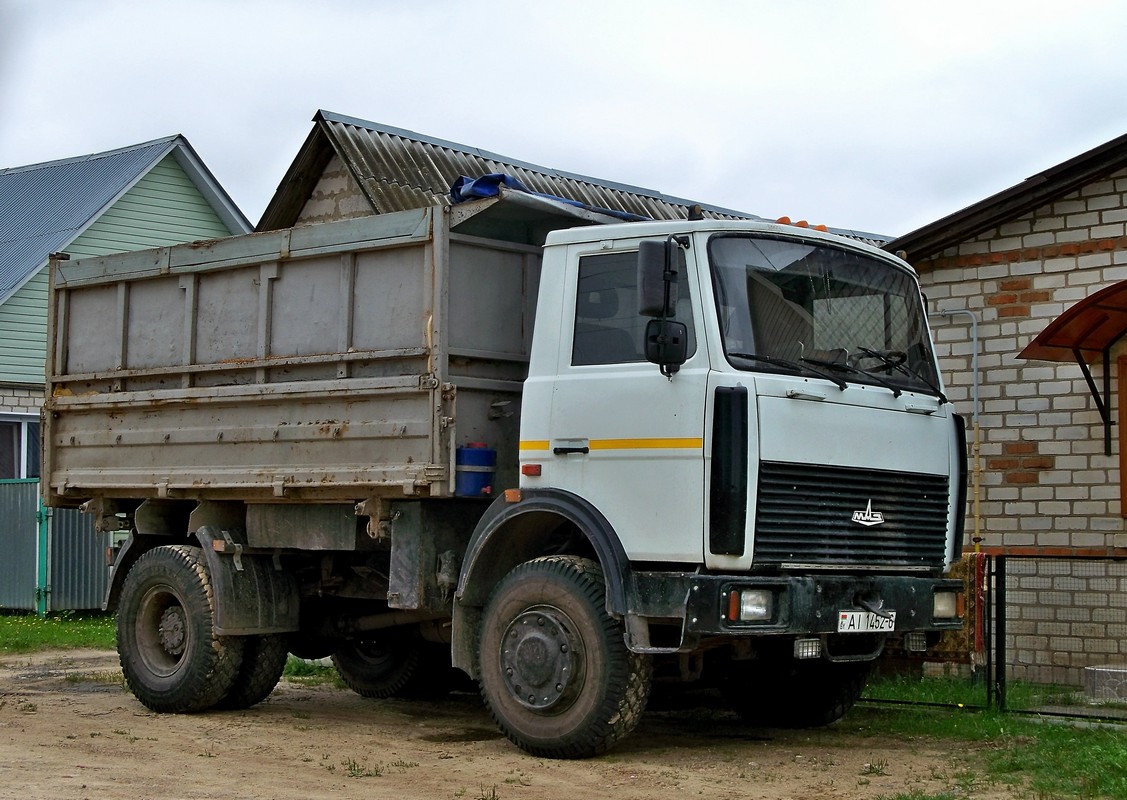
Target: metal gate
50,559
19,544
79,575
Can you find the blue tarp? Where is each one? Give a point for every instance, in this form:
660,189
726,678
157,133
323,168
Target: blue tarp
465,188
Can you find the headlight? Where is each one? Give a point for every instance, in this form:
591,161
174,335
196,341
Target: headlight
750,605
945,605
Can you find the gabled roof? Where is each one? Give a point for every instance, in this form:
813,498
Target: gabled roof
399,169
44,207
1007,205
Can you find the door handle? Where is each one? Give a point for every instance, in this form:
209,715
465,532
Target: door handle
563,451
800,394
567,447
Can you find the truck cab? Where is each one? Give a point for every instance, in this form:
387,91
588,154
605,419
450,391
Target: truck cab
816,347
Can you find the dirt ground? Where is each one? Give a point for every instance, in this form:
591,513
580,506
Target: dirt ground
68,729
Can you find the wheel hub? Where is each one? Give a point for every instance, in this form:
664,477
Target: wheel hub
171,630
538,660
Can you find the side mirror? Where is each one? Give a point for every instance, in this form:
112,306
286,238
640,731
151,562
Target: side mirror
659,265
667,344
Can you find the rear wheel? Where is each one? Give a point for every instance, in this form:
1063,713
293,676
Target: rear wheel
554,668
171,657
796,694
379,667
264,659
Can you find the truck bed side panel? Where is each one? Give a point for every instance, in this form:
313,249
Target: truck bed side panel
263,366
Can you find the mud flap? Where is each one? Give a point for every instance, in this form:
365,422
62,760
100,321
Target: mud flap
253,596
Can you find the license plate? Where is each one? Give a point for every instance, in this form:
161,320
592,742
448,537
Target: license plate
864,622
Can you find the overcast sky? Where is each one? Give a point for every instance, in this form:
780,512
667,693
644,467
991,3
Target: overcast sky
876,116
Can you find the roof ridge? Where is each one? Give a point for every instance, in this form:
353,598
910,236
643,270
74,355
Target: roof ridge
403,133
163,141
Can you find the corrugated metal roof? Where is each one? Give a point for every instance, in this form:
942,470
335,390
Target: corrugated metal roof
44,207
400,169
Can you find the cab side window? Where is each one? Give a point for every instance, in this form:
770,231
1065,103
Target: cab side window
608,328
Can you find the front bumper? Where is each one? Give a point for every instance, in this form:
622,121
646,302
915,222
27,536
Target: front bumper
808,605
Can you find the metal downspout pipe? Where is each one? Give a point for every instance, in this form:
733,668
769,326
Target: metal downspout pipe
977,468
980,573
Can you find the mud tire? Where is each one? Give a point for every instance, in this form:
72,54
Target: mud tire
380,667
264,660
554,668
171,657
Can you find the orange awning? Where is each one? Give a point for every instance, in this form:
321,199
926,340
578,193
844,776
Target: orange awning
1092,325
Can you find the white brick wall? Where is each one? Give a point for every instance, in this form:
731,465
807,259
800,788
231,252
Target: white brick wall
1047,482
20,400
1063,616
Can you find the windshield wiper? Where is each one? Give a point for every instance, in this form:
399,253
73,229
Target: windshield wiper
793,366
835,365
899,366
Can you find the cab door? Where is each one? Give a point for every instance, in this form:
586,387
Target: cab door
623,436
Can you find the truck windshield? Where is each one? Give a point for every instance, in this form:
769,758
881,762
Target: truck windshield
789,305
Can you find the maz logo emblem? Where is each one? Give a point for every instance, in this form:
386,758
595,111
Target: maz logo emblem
868,517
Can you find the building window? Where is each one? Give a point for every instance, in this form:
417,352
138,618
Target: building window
19,447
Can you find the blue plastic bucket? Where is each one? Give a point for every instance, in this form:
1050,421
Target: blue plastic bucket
474,466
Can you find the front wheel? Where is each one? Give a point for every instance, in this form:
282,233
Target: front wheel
554,668
171,657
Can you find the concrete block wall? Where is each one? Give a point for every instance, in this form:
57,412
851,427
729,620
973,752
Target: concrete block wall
1046,481
336,196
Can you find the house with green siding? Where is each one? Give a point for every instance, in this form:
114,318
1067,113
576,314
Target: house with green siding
146,195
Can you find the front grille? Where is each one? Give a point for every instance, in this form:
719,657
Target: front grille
805,515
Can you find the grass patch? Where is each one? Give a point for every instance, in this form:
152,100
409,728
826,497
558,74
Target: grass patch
954,691
65,630
311,673
944,691
301,668
1064,761
1048,758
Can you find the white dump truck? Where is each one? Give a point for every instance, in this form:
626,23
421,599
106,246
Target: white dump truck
564,454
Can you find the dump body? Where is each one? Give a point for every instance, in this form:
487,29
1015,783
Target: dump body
332,362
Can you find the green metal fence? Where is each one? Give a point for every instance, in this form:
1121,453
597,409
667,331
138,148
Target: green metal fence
50,559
